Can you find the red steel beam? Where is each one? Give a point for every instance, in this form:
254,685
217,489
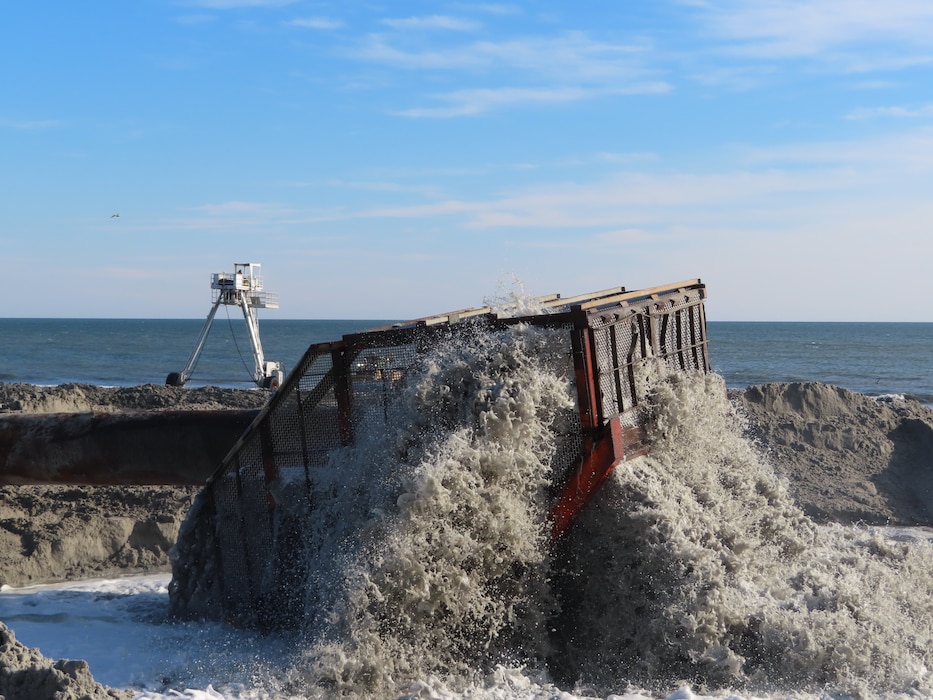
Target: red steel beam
605,449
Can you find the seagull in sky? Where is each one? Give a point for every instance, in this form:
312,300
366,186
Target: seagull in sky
114,216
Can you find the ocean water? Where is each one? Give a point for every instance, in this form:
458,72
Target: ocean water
127,352
870,358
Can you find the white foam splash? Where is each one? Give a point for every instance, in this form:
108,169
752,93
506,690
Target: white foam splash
432,576
511,300
695,564
432,561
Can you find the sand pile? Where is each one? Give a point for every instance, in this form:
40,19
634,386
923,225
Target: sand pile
75,398
55,533
25,673
848,458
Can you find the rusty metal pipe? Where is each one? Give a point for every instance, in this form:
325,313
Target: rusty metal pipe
121,449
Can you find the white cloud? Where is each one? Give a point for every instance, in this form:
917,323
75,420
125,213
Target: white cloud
235,4
539,70
627,158
788,28
880,155
432,22
626,236
316,23
238,208
461,103
896,112
230,216
794,187
570,56
377,50
491,8
195,19
30,124
874,85
894,58
734,77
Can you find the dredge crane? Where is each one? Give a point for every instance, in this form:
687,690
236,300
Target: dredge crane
243,288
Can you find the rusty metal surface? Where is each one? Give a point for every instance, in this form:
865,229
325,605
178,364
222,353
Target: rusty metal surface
129,448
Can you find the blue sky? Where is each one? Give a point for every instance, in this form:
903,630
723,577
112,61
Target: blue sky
400,159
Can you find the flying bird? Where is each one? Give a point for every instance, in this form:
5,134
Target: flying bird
114,216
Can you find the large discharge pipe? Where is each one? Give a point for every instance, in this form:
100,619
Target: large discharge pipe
121,449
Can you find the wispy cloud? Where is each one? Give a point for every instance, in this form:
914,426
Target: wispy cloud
894,112
30,124
625,236
621,202
201,18
432,191
133,273
237,208
626,158
533,70
795,28
470,102
232,215
820,180
316,23
235,4
432,22
571,55
739,78
490,8
879,156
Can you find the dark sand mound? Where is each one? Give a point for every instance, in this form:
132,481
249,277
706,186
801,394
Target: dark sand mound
75,398
25,673
848,458
55,533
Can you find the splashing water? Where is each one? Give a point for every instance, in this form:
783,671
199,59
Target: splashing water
431,572
511,300
439,529
695,565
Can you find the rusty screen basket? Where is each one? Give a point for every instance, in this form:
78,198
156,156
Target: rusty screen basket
236,554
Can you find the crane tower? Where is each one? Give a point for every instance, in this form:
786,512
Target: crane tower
243,288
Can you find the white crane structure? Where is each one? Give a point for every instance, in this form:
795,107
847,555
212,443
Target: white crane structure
243,288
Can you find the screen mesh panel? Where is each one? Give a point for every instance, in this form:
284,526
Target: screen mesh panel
243,553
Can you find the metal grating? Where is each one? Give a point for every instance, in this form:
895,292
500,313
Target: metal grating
237,558
670,326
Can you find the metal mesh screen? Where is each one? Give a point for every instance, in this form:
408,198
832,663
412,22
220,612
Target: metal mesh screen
251,541
335,389
671,327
